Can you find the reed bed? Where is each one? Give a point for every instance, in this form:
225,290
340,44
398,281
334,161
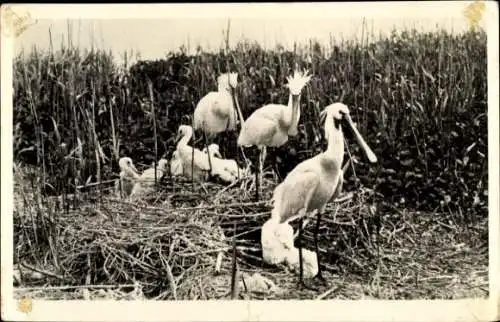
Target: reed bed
166,247
416,226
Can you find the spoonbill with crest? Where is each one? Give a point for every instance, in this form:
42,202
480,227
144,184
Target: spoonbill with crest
270,125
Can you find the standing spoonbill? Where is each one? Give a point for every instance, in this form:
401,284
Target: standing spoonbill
270,125
195,163
315,181
128,176
216,112
146,181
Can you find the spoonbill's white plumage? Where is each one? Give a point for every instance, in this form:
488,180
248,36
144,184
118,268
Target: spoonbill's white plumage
176,165
226,169
214,150
215,112
309,262
195,163
270,125
128,176
146,181
276,240
314,182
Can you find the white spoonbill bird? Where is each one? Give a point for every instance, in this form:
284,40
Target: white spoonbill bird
215,112
146,181
175,164
195,163
309,262
314,182
270,125
276,241
128,176
214,150
226,169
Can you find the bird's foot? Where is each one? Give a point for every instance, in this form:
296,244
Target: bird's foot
307,286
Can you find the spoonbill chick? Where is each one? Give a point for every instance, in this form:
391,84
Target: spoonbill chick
270,125
175,164
226,169
128,176
195,163
309,258
215,112
146,182
314,182
276,241
214,150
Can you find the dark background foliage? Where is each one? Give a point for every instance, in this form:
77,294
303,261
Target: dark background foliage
419,100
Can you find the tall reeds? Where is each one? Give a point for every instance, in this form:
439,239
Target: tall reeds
419,99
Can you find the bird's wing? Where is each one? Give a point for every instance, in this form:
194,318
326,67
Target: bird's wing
293,194
200,111
200,158
270,111
340,185
222,105
257,131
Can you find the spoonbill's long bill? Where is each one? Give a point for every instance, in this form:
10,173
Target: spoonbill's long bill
270,125
314,182
128,176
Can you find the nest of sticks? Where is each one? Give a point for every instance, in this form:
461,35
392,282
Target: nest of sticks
177,244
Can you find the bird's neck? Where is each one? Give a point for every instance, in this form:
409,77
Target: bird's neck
292,114
130,173
223,88
185,139
335,150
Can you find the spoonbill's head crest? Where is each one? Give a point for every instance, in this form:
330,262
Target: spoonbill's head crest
336,110
228,80
126,163
297,81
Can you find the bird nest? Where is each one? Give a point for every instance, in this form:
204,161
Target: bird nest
178,243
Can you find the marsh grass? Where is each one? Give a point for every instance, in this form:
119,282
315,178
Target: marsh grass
418,98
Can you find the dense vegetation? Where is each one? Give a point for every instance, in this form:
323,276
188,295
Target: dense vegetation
419,99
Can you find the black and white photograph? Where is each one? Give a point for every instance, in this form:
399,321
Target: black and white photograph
250,154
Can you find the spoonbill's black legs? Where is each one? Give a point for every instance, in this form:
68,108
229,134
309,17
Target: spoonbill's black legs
318,276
